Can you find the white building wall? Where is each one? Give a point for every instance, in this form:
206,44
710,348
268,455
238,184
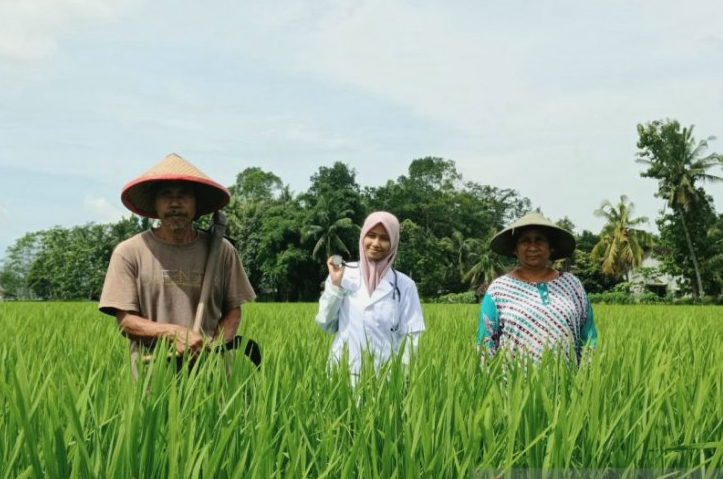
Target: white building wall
640,283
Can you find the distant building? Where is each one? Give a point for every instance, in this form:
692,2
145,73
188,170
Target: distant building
648,277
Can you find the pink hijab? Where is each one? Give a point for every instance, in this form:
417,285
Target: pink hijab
374,271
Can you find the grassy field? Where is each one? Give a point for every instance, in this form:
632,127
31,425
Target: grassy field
650,398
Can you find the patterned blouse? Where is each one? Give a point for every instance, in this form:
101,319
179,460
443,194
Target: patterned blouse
526,318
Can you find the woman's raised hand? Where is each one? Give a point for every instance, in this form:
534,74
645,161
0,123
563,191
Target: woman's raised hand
336,270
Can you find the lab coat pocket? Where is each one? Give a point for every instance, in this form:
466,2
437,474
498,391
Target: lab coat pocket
386,316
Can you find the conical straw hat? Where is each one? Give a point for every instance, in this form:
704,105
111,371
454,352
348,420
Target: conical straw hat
561,240
137,195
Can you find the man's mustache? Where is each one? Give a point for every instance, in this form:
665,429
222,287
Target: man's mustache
176,214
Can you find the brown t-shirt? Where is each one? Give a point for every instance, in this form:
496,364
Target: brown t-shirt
162,281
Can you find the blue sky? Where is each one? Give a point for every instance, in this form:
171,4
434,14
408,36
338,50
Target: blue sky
542,97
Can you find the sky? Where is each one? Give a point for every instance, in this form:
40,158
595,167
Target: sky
542,97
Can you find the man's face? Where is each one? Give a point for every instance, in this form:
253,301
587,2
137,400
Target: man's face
176,205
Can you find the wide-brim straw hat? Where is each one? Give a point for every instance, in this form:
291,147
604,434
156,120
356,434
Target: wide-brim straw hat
562,242
138,195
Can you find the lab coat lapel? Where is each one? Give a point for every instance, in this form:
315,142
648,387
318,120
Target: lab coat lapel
384,288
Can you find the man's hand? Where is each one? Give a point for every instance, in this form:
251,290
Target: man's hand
188,340
227,327
140,328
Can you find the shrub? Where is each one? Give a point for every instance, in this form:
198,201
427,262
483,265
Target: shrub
648,297
468,297
612,297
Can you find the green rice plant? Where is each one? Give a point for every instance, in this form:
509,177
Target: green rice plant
649,397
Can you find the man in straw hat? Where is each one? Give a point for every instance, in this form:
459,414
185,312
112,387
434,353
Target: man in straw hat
153,285
533,307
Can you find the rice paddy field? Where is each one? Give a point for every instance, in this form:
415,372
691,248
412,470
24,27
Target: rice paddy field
648,403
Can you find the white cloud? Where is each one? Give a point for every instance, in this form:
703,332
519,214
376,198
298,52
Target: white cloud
101,209
405,52
478,69
29,29
3,213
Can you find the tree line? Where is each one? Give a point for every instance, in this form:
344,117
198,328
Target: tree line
446,225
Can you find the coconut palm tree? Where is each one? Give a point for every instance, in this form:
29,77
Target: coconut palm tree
621,247
462,248
677,161
329,229
486,264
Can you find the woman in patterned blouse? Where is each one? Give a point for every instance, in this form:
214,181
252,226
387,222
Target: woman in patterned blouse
534,307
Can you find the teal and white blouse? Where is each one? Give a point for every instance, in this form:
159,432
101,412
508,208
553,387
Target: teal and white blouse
527,318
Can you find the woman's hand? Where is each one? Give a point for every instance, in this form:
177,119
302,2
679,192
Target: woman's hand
336,272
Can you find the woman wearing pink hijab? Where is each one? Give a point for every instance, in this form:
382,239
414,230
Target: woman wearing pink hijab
369,305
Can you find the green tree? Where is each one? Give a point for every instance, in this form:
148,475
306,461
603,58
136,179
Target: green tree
481,210
253,193
586,241
565,264
621,246
678,162
334,211
715,261
567,224
338,189
486,265
329,230
434,196
673,253
266,220
65,263
590,274
125,228
254,185
288,271
424,196
426,260
462,249
17,263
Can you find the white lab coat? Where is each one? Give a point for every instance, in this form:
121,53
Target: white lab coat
379,323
